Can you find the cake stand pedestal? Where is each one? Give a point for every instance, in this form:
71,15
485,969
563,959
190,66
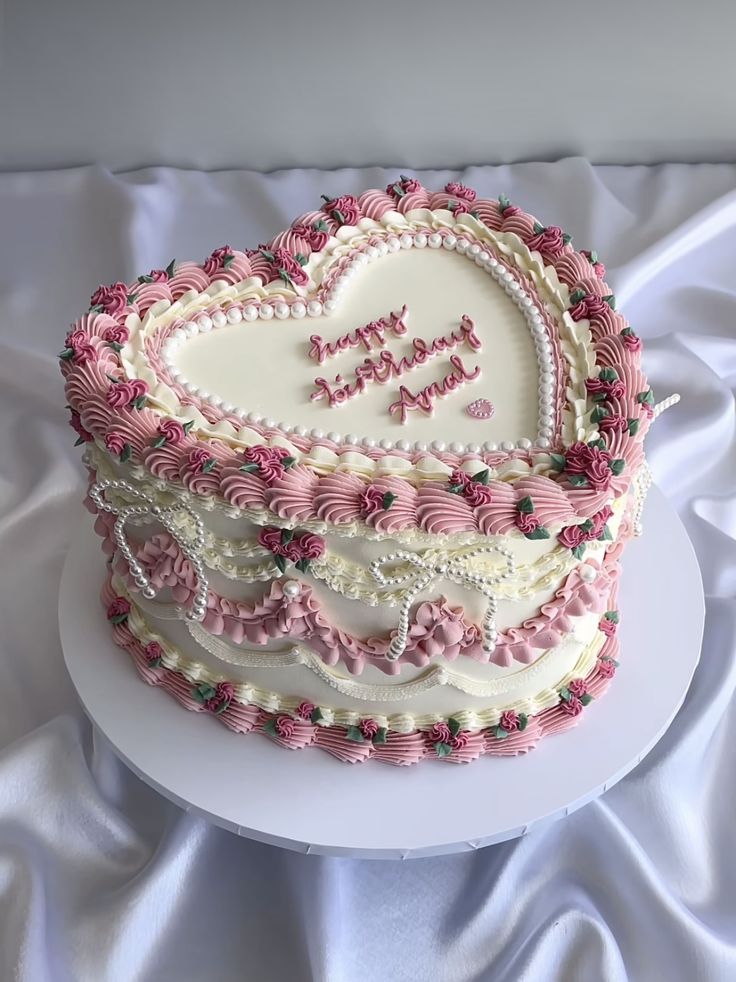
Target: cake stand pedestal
310,802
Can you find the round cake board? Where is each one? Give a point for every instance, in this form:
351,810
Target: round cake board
307,801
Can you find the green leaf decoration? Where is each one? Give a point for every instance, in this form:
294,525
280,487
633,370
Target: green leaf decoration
156,663
593,257
115,345
633,426
118,618
354,734
585,699
523,721
538,228
286,536
617,465
381,735
600,396
170,268
203,692
301,258
566,238
270,727
145,278
500,733
605,535
538,533
558,461
132,297
565,694
526,506
158,441
302,565
627,332
612,616
456,488
610,300
608,375
587,525
646,398
79,441
320,226
338,216
442,749
599,443
126,453
578,480
576,296
280,563
112,378
67,354
316,716
503,203
475,214
139,403
453,726
209,465
188,425
398,190
578,551
599,413
482,477
388,500
283,275
267,255
249,468
288,462
404,177
228,261
96,308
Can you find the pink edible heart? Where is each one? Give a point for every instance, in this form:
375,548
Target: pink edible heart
480,409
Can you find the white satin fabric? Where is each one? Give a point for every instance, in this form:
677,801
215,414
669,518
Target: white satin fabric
101,879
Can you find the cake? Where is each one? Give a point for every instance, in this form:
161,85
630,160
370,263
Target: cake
366,487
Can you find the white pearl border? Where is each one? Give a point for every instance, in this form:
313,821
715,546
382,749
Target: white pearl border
249,312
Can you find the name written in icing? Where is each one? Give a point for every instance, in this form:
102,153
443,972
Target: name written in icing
424,399
386,366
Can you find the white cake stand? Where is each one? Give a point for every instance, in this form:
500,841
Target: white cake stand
308,801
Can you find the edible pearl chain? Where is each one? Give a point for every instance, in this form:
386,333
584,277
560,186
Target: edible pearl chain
643,480
336,284
453,568
146,512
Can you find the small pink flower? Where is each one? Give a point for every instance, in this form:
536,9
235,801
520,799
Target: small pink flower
509,721
632,341
285,726
369,728
613,424
595,385
408,185
347,207
198,459
153,651
526,522
598,472
460,740
607,627
85,352
577,687
459,478
599,521
509,211
113,299
216,260
598,268
371,500
590,306
115,443
224,693
606,668
172,431
116,335
460,191
648,410
158,275
75,421
549,241
269,461
477,494
310,546
316,238
75,338
459,208
305,709
270,538
576,458
571,536
125,394
572,707
283,261
119,607
440,733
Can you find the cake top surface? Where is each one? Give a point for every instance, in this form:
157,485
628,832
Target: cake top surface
400,339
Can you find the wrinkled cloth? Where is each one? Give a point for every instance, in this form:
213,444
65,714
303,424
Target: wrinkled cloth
101,879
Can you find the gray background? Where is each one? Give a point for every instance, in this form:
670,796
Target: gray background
326,83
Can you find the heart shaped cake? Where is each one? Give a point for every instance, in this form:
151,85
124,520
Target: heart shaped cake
366,487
